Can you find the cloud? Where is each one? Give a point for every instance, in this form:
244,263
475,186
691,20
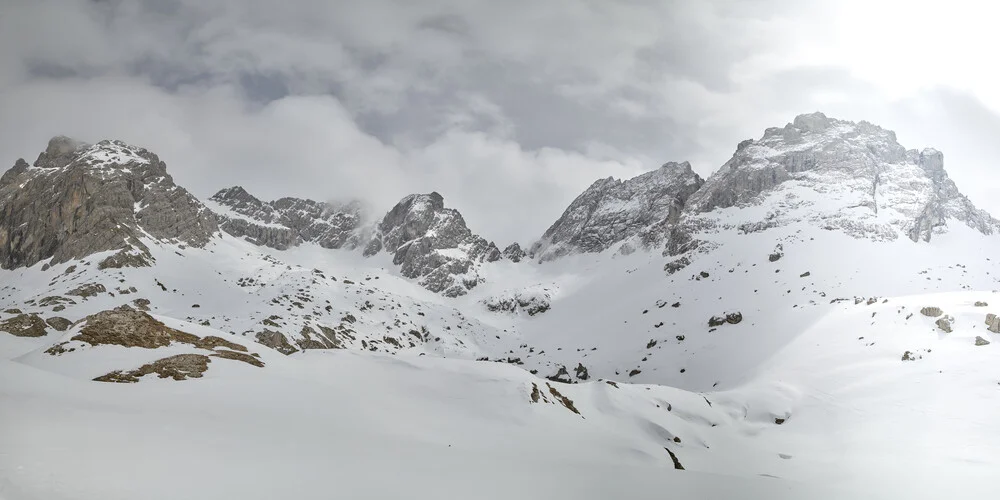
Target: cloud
509,109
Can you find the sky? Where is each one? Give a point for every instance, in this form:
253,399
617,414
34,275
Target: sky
509,109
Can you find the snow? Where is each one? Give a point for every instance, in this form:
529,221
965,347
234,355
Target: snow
808,396
225,211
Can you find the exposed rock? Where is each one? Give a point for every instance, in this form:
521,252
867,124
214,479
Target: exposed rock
54,300
24,325
931,311
58,323
531,301
287,222
716,321
883,191
87,290
674,459
432,243
981,304
993,323
909,356
127,257
239,356
567,402
81,199
981,341
127,327
777,254
581,372
513,253
945,323
676,265
611,211
562,375
734,318
275,340
179,367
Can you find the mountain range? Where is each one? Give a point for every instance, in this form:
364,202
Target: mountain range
776,320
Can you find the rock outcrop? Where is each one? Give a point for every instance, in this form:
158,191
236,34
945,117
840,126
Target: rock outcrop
431,243
79,199
873,187
531,301
611,211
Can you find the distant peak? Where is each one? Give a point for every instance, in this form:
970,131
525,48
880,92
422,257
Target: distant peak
236,192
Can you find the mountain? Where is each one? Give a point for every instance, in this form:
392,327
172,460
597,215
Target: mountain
817,319
79,199
288,222
432,243
611,211
841,175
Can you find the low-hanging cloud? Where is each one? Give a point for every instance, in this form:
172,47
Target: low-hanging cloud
508,109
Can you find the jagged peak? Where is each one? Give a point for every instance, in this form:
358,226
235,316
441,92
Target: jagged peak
234,192
62,151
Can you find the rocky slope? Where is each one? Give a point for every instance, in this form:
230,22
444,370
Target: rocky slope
288,222
840,175
431,243
611,211
79,199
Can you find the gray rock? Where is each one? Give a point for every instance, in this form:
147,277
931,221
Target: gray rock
945,323
288,222
81,199
24,325
981,341
431,243
931,311
993,323
980,303
514,253
59,323
531,303
826,154
611,211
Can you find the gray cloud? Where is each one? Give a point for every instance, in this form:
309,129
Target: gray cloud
508,109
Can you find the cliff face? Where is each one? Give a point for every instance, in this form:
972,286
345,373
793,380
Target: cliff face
79,199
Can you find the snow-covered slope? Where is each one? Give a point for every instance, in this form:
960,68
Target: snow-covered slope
765,330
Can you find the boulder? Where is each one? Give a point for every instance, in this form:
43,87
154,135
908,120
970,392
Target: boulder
24,325
981,341
931,311
993,323
945,323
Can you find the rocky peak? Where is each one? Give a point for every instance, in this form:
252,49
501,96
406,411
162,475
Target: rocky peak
842,175
79,199
433,244
611,211
288,221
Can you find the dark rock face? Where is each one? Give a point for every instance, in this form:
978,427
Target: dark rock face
432,243
287,222
24,325
513,253
611,211
79,199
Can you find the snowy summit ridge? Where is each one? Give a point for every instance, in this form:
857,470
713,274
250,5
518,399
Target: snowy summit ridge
843,175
